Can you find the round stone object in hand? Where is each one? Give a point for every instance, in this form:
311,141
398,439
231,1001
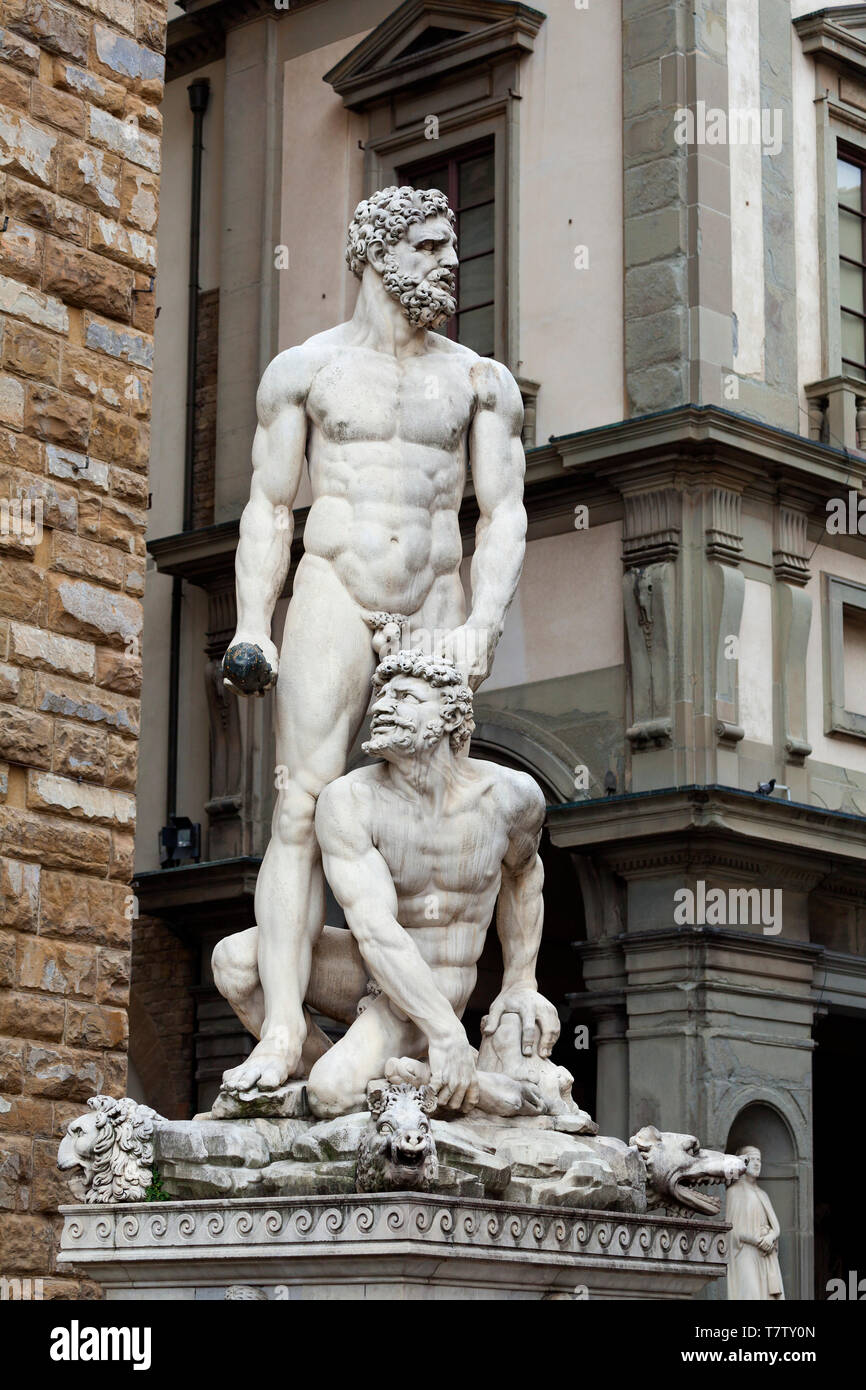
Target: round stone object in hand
246,666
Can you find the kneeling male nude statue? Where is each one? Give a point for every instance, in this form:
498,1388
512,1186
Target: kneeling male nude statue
416,849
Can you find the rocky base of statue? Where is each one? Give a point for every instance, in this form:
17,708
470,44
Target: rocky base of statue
388,1203
528,1161
116,1149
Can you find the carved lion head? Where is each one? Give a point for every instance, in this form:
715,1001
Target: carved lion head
112,1146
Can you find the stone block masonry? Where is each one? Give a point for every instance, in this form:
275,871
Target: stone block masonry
80,140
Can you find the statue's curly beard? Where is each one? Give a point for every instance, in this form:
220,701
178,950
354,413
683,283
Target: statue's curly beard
400,736
427,303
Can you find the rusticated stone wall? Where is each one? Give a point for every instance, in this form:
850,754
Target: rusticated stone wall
79,180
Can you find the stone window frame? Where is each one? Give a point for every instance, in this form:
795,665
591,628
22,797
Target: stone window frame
471,84
397,150
840,121
452,163
839,595
844,134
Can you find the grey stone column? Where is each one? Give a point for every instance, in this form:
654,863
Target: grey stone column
676,207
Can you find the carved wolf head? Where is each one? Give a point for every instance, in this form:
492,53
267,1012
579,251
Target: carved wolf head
397,1152
677,1167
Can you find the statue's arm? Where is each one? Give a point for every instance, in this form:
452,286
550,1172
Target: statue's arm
498,468
267,524
362,884
519,923
772,1220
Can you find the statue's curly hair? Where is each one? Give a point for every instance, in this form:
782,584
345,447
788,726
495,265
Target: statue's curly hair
387,216
122,1149
442,675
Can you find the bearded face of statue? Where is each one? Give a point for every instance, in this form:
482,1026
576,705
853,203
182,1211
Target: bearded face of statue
419,272
406,719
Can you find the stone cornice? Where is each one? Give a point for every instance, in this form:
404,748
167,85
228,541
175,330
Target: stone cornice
832,36
191,896
693,444
720,938
724,938
642,832
198,36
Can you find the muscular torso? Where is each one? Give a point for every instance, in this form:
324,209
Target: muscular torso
446,874
386,447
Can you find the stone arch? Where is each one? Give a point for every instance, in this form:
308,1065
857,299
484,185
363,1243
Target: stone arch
762,1122
518,748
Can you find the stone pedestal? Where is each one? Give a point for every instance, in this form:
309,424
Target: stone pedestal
388,1246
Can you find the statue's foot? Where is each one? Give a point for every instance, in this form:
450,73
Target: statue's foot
272,1063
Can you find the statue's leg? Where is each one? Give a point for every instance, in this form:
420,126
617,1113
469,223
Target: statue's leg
338,1081
443,610
338,976
322,695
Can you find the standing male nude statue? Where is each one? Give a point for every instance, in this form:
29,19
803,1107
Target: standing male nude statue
387,413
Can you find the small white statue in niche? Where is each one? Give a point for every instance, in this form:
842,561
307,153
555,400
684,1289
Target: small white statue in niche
753,1255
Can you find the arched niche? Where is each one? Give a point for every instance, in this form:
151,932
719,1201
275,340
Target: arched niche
762,1125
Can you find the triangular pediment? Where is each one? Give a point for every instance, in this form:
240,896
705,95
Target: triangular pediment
427,38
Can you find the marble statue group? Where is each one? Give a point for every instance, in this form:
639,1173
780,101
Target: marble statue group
420,843
416,847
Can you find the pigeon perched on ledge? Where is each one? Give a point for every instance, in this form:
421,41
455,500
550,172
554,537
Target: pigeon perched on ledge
766,788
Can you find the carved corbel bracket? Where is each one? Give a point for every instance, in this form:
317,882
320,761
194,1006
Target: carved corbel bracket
652,534
726,593
648,597
791,546
729,735
723,538
652,526
793,622
724,531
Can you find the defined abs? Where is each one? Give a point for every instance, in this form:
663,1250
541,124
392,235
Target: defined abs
386,556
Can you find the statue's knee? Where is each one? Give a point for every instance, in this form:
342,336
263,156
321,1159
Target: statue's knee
330,1092
295,814
221,962
234,975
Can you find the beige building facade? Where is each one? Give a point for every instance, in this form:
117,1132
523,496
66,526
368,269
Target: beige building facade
659,211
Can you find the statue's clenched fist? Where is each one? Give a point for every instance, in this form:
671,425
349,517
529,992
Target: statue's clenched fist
250,667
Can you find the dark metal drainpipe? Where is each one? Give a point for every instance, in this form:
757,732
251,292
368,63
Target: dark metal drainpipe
199,94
